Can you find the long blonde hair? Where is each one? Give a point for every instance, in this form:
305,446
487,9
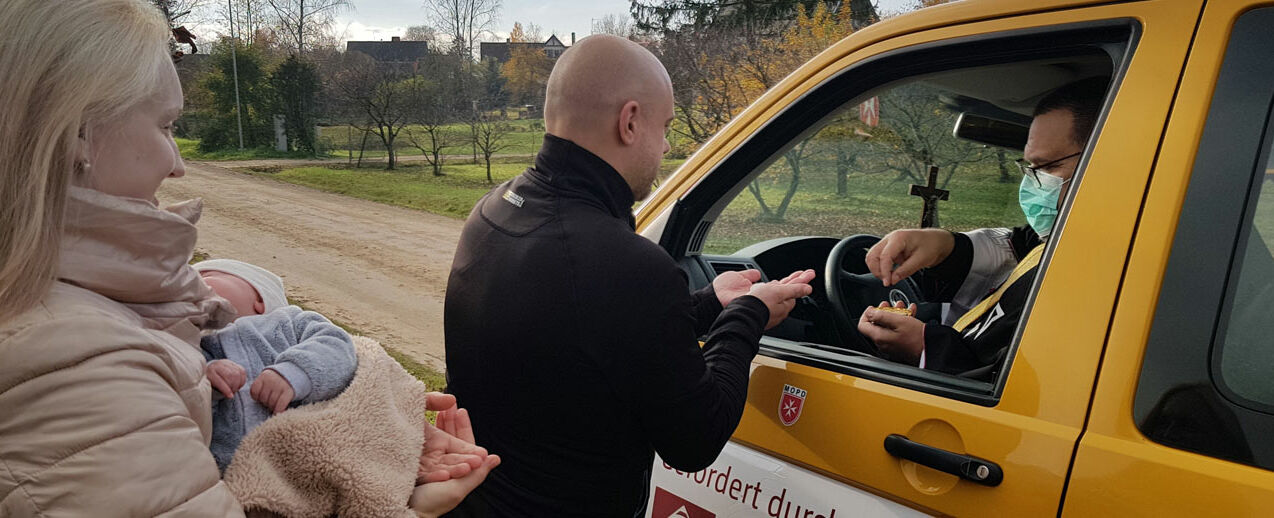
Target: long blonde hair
68,64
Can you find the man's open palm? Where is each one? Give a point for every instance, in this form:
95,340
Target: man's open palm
732,285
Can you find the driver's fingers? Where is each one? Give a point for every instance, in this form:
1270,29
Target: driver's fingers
901,304
893,252
912,264
873,332
873,259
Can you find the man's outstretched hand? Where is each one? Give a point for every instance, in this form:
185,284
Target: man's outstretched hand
732,285
780,296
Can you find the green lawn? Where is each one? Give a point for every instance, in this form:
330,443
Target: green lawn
189,149
875,204
413,186
525,139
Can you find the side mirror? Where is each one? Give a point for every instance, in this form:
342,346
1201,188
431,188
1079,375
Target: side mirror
995,132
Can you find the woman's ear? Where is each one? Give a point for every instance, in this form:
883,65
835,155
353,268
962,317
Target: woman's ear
82,148
628,123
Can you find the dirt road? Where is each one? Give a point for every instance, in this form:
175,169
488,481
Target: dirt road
378,268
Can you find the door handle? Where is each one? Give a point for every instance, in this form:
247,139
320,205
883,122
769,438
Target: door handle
967,467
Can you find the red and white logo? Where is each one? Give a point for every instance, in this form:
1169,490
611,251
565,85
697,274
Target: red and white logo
790,404
668,505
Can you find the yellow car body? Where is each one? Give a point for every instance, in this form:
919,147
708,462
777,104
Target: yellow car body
1061,425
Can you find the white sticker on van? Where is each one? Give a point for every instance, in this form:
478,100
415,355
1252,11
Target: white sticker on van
745,482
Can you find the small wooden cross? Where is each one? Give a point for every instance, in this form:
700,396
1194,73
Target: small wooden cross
931,194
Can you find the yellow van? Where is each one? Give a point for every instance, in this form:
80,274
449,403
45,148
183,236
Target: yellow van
1141,378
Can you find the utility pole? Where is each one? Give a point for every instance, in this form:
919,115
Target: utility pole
300,31
234,65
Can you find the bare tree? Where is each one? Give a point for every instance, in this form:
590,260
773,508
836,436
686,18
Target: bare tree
489,137
430,133
378,99
297,18
616,25
422,33
463,21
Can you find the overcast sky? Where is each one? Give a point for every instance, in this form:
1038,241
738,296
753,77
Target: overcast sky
381,19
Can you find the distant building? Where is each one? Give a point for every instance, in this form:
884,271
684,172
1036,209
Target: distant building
501,52
394,51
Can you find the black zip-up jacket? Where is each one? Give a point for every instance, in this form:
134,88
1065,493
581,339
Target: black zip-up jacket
572,341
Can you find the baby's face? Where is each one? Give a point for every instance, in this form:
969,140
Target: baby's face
241,295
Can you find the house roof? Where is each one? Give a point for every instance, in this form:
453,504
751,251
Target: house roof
503,50
397,51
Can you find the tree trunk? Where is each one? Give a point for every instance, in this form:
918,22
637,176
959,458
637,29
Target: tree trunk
487,157
794,162
842,174
1005,177
755,189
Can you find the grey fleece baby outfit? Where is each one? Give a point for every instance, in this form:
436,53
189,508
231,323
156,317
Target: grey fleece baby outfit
312,354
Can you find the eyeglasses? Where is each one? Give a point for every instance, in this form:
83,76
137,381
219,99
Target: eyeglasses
1034,170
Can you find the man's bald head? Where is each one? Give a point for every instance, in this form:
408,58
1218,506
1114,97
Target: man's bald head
614,98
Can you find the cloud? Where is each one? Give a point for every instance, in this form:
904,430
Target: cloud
352,30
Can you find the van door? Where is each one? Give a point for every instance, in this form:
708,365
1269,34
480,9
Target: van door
1184,407
818,407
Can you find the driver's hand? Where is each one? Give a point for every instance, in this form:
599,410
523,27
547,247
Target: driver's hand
904,252
900,338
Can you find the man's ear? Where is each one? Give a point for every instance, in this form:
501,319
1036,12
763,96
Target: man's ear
628,123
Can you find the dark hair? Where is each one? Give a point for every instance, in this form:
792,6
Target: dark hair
1083,99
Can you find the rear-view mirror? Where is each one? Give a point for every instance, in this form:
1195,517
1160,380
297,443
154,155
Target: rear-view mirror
986,130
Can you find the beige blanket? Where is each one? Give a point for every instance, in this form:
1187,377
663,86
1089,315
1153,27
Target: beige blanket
354,455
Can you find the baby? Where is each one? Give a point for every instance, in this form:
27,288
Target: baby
272,356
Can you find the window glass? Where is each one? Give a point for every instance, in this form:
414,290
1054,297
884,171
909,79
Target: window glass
853,175
1247,349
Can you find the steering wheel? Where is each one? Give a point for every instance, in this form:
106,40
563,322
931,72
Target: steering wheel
851,287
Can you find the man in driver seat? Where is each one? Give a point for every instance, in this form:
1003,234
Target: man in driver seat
985,274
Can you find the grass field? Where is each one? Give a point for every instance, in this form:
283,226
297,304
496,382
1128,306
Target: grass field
413,186
189,149
876,204
344,141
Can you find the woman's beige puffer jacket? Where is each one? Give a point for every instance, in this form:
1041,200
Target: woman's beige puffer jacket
104,408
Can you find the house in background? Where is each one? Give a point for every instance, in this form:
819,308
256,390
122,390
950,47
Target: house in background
393,51
502,51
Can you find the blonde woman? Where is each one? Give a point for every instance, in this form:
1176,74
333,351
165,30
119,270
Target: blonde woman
104,408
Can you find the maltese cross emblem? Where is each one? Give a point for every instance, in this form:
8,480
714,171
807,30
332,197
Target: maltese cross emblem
790,404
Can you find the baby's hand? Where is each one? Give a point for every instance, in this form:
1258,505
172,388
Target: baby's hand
273,391
226,376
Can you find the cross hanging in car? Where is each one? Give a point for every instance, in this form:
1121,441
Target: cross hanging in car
931,194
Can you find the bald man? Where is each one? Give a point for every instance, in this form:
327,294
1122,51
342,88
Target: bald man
573,341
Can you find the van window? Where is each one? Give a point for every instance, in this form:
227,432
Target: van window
1206,381
1246,351
876,148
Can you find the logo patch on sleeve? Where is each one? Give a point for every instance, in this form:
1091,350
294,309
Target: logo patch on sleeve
513,198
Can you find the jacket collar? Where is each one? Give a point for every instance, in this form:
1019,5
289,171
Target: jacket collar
132,252
571,168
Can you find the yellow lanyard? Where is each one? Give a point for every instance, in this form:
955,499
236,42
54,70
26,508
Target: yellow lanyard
1031,260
